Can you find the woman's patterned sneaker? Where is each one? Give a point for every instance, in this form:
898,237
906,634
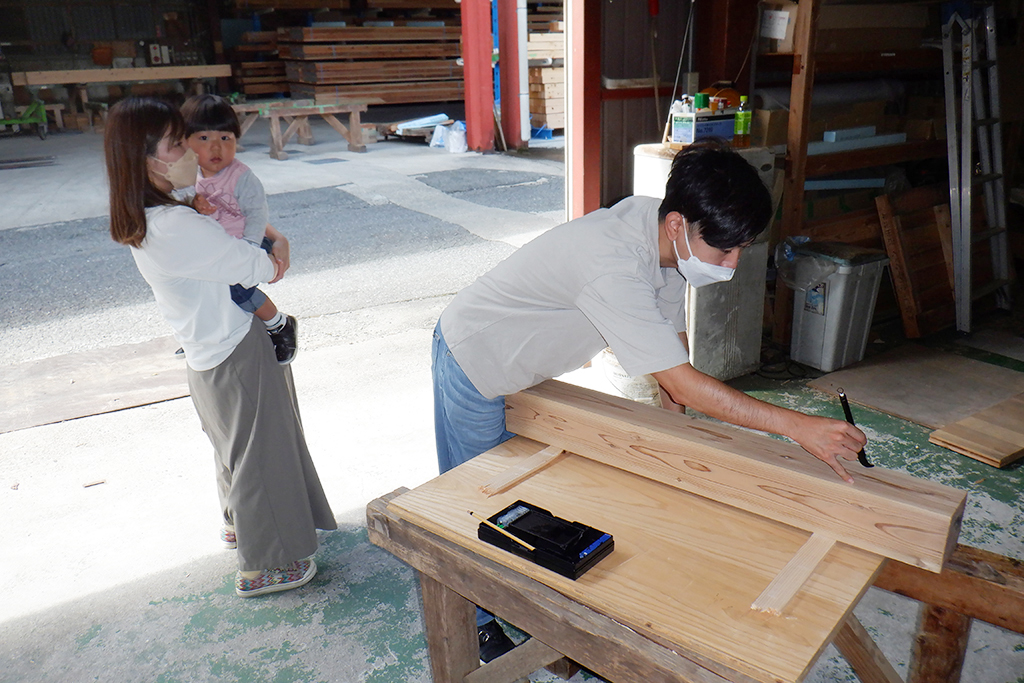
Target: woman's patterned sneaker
273,580
227,536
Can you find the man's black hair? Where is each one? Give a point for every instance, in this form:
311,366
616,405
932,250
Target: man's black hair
209,112
719,193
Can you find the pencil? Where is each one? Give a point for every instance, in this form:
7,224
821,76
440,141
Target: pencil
497,528
862,456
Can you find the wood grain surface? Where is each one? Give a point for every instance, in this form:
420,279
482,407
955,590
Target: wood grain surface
994,436
684,571
884,512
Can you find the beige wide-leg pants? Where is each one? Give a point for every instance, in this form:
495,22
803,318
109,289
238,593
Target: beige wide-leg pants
268,486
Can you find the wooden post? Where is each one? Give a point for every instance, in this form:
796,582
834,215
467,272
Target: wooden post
805,38
510,62
451,632
476,55
868,662
583,120
939,646
276,144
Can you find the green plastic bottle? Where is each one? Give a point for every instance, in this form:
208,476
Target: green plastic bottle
741,129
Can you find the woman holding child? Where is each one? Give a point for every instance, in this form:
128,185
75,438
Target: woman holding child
270,493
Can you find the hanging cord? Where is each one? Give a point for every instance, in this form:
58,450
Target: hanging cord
682,51
656,79
746,58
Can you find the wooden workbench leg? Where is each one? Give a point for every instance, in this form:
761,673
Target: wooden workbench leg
451,632
855,644
58,116
276,144
305,132
250,119
355,133
939,646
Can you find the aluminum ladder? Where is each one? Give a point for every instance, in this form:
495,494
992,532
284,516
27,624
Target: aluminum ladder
973,124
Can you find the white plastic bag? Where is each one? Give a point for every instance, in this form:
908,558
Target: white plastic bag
456,139
440,136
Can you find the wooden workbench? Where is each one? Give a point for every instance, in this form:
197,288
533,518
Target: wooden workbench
672,602
296,114
77,79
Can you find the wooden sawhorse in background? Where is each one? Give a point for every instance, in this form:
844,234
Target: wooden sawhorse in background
296,114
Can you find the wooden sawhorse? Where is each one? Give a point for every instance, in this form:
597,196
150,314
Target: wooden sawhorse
296,114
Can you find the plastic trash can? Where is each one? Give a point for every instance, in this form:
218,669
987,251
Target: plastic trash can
831,320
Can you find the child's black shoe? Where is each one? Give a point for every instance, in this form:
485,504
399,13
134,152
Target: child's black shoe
286,340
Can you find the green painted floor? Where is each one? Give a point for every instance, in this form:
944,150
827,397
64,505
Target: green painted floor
360,619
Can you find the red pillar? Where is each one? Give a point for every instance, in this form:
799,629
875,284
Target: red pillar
583,83
477,47
509,63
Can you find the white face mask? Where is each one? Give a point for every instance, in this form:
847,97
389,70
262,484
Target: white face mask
698,273
181,173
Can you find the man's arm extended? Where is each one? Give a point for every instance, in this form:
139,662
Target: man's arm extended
824,438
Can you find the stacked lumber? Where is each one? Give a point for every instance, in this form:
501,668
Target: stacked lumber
994,436
292,4
545,16
547,97
549,45
389,64
545,50
917,234
255,68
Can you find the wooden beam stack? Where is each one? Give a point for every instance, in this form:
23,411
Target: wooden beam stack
390,64
546,45
255,68
547,97
545,15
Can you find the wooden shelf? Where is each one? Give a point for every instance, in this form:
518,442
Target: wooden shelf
838,162
923,59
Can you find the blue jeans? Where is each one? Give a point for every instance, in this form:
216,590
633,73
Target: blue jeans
249,299
465,423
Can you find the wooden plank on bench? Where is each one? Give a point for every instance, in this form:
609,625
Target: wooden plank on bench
884,512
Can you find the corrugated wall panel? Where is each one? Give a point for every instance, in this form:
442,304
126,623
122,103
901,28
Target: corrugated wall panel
93,22
626,49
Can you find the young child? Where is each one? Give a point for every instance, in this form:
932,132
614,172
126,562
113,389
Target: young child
230,192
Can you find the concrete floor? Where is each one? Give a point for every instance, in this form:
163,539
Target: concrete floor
126,581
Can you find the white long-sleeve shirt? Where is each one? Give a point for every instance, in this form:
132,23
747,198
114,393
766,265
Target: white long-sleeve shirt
190,263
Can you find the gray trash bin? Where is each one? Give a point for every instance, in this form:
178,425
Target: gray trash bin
831,320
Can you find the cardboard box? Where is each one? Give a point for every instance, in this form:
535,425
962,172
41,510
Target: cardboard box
769,127
688,128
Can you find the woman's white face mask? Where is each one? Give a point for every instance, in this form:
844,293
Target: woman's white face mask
696,272
181,173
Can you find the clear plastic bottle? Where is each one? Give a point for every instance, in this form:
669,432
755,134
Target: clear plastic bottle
741,129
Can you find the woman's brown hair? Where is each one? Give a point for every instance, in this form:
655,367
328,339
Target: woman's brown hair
134,128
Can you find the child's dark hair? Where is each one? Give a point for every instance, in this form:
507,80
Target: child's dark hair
718,192
209,112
